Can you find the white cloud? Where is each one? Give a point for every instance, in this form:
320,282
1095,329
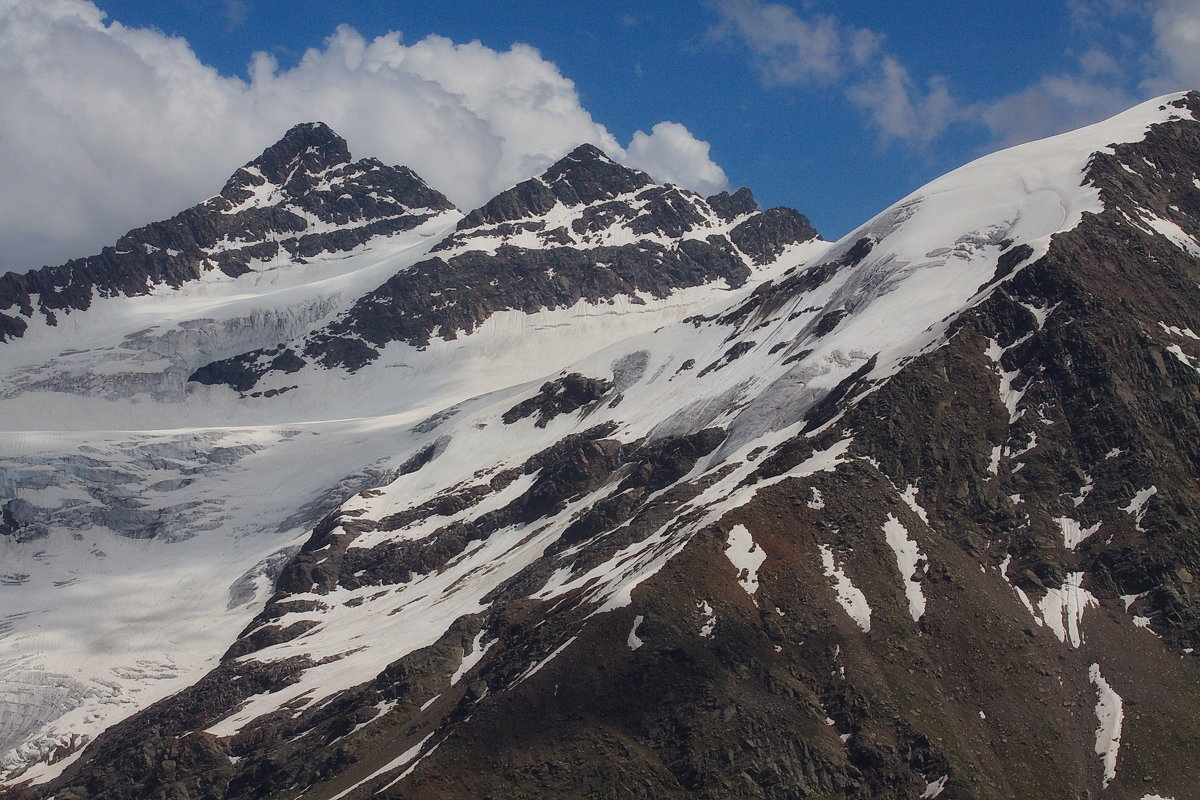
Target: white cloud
672,155
1115,70
901,110
788,49
1155,49
1177,43
792,50
1054,104
108,127
1100,13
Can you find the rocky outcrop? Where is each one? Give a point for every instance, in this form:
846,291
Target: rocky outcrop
563,396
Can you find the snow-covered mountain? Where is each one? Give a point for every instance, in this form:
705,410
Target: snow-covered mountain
323,489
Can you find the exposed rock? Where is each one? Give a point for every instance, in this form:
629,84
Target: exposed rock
566,395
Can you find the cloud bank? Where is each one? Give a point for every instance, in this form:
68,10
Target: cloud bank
789,49
109,126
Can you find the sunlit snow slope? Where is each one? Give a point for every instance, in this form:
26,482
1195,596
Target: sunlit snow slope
410,478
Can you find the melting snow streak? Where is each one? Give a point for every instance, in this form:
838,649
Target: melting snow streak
848,595
399,761
1110,713
746,556
907,556
1063,608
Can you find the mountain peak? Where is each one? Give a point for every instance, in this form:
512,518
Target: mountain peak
651,441
731,206
582,177
586,152
306,149
586,175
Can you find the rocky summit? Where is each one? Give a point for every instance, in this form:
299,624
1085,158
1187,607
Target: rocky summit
325,490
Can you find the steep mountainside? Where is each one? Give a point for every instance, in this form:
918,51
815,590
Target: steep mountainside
606,490
198,496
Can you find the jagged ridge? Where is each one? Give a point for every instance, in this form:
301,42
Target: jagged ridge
303,196
620,234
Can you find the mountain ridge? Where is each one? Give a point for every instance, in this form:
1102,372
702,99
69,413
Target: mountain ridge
631,237
234,229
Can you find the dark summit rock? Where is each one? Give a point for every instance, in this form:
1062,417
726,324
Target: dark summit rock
586,175
600,196
582,177
764,236
305,150
731,206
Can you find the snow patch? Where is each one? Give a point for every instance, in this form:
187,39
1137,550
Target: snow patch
1084,491
1110,715
907,559
1183,357
746,556
1130,599
1073,532
1010,398
1040,313
909,496
935,788
853,601
472,658
1172,233
710,619
1063,608
634,641
1177,331
1137,506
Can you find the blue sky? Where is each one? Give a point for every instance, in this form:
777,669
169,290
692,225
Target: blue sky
835,108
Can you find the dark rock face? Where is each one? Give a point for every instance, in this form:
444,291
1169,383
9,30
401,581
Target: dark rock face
731,206
265,210
455,292
764,236
584,177
563,396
